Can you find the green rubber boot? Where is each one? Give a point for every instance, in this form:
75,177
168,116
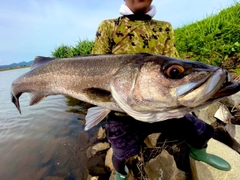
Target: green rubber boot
212,160
120,176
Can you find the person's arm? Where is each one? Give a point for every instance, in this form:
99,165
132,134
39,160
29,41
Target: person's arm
102,43
170,48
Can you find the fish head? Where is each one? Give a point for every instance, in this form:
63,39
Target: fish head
156,83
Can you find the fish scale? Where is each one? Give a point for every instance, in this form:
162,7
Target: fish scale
148,87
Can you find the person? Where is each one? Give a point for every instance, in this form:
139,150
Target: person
136,32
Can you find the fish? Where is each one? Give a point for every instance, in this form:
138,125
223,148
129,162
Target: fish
148,87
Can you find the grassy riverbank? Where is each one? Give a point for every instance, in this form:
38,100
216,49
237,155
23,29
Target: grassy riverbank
214,40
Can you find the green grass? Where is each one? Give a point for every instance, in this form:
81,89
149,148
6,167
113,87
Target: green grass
212,40
83,47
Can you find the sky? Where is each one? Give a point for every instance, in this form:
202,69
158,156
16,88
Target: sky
31,28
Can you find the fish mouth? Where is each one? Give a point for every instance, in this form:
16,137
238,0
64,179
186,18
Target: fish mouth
227,90
214,87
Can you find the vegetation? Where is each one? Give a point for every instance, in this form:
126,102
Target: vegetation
11,68
82,48
214,40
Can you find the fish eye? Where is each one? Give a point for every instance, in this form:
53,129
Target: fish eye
174,71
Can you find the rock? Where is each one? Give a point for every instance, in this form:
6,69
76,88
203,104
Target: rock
91,151
223,114
207,114
80,174
54,178
92,177
101,134
40,173
97,171
202,171
234,131
113,175
222,135
151,140
163,167
108,159
232,101
131,176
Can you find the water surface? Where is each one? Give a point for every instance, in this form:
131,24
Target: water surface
47,139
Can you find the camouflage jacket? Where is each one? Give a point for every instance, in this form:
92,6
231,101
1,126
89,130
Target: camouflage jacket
125,36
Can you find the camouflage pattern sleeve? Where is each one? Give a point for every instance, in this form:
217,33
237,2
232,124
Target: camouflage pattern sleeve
170,48
102,40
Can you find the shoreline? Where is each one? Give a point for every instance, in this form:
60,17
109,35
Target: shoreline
12,68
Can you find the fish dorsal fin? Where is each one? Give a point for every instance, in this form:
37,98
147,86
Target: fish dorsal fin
35,98
40,60
94,116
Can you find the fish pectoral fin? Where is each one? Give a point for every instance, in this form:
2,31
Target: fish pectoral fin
94,116
35,98
97,94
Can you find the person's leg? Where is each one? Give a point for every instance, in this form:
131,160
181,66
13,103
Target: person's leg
196,134
127,134
197,143
125,137
119,165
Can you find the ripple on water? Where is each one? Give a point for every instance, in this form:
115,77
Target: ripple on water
33,144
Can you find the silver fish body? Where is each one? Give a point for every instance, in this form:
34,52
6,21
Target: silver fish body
148,87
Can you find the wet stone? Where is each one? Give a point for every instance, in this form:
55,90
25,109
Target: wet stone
101,133
93,150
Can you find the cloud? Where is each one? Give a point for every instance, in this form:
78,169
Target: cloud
36,27
184,12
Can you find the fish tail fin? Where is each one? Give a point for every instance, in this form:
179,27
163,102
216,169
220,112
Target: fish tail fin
94,116
15,100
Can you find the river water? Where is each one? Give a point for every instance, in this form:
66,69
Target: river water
46,140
